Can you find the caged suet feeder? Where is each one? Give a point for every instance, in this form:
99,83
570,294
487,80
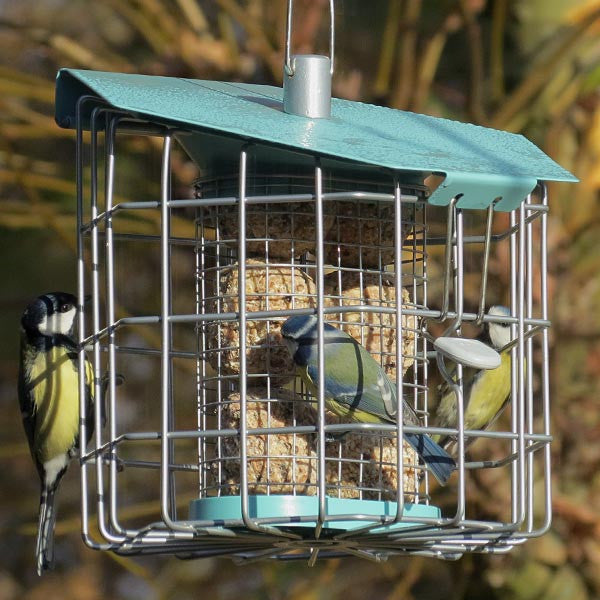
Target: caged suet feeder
305,205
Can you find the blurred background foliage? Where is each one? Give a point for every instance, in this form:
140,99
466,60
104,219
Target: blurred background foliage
528,66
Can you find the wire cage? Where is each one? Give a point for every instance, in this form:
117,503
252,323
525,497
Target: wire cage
226,449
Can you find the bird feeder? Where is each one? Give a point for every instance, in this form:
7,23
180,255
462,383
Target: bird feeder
306,204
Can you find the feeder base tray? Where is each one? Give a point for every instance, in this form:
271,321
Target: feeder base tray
300,511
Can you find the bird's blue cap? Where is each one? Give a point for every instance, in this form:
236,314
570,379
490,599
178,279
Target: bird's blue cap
300,326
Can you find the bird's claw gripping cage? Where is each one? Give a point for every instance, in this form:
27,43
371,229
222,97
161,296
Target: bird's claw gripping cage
225,448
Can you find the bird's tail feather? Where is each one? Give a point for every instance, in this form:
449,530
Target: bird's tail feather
44,549
436,458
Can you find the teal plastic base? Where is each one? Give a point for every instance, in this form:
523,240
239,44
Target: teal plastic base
291,508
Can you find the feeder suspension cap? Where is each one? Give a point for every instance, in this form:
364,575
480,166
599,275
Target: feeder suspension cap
307,77
307,92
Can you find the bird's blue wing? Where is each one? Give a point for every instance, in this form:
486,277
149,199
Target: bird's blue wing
374,394
354,378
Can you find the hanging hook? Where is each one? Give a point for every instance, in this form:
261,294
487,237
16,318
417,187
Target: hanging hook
458,273
448,261
288,37
486,260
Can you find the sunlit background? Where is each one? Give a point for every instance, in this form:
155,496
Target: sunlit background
527,66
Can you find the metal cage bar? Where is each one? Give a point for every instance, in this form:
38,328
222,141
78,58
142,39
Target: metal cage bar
320,208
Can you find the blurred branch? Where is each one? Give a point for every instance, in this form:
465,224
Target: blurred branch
37,181
26,220
307,28
141,22
430,59
48,214
257,39
38,165
134,567
10,451
325,579
44,123
69,49
576,514
66,47
195,15
499,12
179,39
16,75
401,590
388,49
402,93
538,77
21,131
475,96
197,52
583,10
158,14
229,38
10,87
566,97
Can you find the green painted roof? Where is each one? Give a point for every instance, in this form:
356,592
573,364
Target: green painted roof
480,163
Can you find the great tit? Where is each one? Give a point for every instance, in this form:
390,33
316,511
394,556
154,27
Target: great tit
485,392
356,386
49,399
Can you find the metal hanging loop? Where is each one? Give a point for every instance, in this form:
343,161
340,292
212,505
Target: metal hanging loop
288,68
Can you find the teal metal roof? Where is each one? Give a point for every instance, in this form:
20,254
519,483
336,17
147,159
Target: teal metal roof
480,163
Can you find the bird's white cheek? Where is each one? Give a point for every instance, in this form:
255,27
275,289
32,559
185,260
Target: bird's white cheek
57,323
500,336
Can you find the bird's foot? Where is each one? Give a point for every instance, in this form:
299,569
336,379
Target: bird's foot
335,437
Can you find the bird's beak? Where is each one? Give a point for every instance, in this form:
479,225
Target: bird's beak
291,346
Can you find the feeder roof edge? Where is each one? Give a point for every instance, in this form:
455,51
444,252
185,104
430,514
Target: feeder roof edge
488,160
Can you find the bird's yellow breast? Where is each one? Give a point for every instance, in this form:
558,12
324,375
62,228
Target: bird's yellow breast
54,385
488,395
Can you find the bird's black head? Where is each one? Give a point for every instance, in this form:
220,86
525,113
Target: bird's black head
50,314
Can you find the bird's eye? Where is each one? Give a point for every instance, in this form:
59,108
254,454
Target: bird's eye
65,307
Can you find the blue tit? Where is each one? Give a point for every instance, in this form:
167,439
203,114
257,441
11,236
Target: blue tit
356,386
49,399
485,392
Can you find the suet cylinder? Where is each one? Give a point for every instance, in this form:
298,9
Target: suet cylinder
267,288
364,467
